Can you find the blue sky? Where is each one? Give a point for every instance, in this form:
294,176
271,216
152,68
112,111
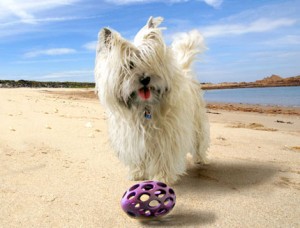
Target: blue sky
54,40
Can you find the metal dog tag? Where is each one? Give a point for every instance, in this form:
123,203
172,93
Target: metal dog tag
147,113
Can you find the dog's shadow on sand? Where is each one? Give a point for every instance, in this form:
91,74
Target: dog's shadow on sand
225,177
213,179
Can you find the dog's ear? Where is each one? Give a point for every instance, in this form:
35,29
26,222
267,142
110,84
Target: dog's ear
154,22
105,38
150,31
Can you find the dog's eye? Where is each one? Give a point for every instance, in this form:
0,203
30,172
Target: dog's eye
131,65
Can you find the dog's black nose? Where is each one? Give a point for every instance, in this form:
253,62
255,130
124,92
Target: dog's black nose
145,80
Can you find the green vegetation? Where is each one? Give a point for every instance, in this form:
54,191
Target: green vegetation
36,84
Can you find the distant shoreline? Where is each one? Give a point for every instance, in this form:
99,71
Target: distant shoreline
212,107
247,86
272,81
38,84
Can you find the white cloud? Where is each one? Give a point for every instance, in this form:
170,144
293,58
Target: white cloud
285,40
50,52
259,25
36,20
213,3
124,2
19,12
236,29
25,11
271,55
66,74
29,16
91,46
85,75
255,20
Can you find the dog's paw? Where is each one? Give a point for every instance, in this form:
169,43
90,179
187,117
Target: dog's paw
136,176
169,180
200,160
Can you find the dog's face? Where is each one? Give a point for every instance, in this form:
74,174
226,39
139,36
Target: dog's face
133,73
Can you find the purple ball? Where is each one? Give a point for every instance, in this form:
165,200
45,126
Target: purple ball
148,199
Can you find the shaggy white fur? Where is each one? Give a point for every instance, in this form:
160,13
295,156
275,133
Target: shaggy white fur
155,109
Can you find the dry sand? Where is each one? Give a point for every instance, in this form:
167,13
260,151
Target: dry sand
57,168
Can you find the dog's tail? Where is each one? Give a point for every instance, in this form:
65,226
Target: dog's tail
187,47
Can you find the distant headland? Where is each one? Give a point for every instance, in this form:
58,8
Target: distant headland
38,84
271,81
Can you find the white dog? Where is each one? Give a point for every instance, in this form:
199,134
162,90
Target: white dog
155,108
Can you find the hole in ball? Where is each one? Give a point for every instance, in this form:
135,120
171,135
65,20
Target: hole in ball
147,213
131,214
144,197
137,205
134,187
160,193
168,201
147,187
154,203
124,194
161,184
161,211
131,196
171,191
144,212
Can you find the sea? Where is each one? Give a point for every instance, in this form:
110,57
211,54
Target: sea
278,96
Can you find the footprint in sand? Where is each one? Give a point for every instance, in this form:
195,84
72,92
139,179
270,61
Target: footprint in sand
281,121
286,182
222,142
12,129
253,126
221,138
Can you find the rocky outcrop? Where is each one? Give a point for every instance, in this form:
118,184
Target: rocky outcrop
271,81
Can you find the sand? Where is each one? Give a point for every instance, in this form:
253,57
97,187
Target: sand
57,168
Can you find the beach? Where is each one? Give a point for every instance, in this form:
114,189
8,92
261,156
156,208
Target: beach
57,168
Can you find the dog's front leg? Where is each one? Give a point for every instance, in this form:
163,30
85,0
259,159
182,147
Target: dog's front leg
169,172
137,172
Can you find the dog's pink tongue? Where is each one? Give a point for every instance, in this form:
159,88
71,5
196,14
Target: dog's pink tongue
144,93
